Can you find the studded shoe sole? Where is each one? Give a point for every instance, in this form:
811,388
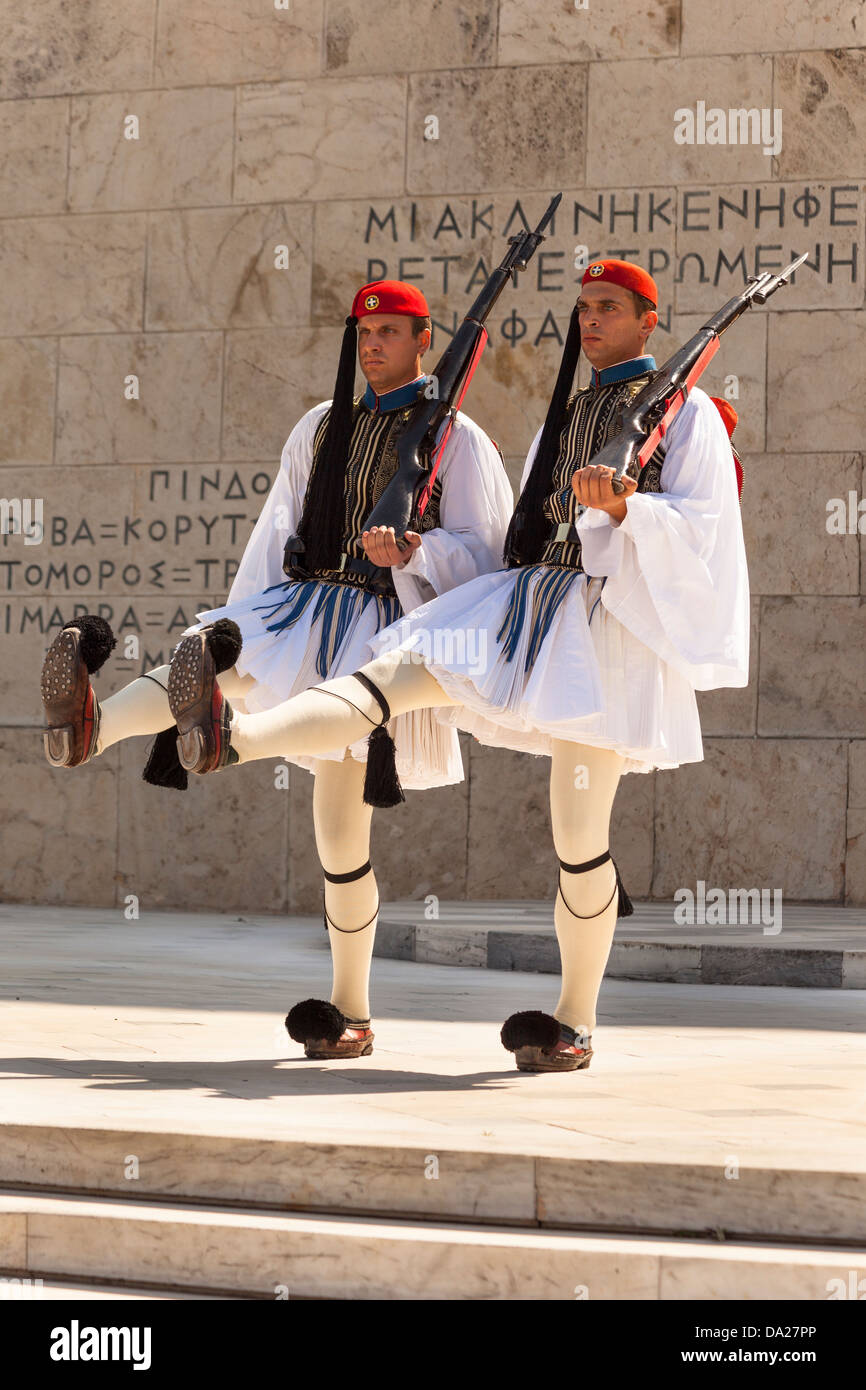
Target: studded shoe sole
70,703
202,713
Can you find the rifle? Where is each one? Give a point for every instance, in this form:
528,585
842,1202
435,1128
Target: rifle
408,492
647,418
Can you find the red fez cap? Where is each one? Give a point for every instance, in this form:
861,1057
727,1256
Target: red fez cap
727,412
631,277
389,297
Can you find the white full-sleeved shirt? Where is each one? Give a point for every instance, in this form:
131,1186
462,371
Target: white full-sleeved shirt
675,567
475,508
676,564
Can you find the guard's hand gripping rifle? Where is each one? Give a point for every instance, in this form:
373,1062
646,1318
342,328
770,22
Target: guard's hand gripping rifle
646,419
408,492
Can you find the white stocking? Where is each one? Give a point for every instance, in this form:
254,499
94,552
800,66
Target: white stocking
316,722
142,706
139,708
342,825
583,782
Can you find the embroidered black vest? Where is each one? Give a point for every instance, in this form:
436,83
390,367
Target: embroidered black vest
593,417
371,465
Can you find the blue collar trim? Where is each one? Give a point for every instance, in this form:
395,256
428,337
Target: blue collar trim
393,400
621,371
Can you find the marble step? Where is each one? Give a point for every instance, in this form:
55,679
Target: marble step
278,1255
16,1287
515,1185
817,946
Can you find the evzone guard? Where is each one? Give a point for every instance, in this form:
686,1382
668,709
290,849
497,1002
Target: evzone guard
344,584
624,591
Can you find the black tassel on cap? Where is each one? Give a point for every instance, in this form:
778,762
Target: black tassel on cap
381,783
321,523
529,527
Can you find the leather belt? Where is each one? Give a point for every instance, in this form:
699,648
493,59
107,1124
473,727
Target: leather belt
379,577
357,563
380,581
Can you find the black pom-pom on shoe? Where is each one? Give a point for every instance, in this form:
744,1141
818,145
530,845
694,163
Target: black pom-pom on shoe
225,642
97,640
532,1028
317,1019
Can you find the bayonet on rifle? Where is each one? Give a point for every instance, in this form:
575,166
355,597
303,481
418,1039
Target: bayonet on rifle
648,417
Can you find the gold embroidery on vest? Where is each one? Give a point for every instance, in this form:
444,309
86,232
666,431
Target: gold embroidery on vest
372,463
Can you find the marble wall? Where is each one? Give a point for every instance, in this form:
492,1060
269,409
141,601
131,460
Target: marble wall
191,191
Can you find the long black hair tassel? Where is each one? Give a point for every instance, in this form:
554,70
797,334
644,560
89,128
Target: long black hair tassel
529,528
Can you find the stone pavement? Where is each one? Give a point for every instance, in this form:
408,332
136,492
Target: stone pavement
811,946
707,1111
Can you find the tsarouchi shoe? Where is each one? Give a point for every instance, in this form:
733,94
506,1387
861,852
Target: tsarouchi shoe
326,1032
541,1043
202,713
71,730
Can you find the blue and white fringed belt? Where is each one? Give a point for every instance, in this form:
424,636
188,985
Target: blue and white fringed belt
337,605
548,593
